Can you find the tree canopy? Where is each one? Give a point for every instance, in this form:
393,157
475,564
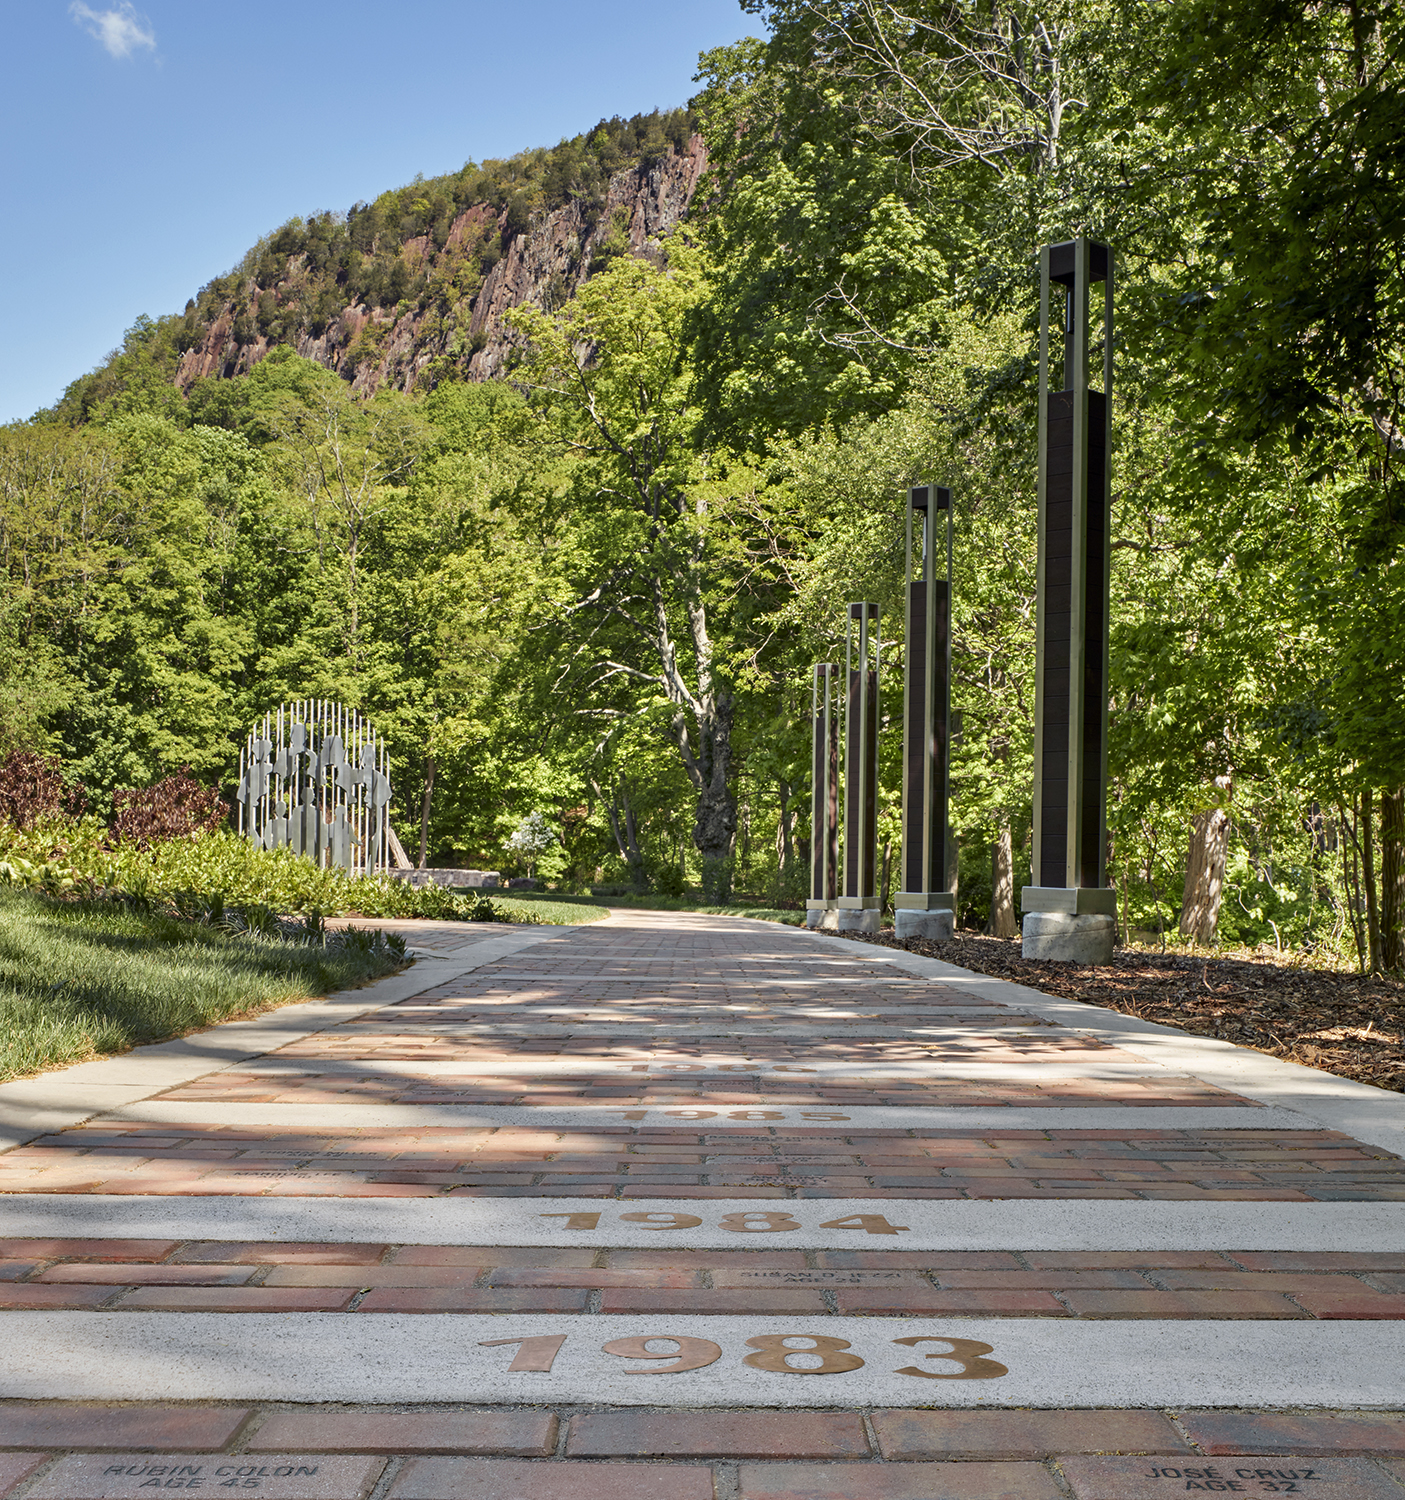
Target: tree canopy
586,597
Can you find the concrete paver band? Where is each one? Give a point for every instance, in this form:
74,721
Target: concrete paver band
735,1361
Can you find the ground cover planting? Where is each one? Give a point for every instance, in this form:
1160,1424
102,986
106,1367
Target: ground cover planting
79,978
548,907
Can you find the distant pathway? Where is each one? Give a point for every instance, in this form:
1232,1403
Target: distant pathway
438,1238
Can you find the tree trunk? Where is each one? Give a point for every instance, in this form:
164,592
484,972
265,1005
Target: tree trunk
785,841
1204,872
1351,882
1368,872
424,809
715,822
1002,883
625,828
883,886
1393,880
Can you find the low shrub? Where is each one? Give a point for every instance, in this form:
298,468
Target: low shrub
32,790
218,869
175,808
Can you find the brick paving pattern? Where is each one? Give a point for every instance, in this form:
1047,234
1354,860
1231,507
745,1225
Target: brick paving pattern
234,1275
679,1162
867,1454
703,1018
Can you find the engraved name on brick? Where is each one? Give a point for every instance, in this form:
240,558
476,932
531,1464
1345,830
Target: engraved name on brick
1249,1475
272,1476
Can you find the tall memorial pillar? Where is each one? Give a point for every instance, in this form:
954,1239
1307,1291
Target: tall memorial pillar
1068,911
924,907
822,906
858,904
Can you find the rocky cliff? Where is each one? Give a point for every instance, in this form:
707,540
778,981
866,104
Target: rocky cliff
459,285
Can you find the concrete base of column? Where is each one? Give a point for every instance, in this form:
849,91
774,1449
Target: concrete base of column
930,926
828,920
857,921
1068,939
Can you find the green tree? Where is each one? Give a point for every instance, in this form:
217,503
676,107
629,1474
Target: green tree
1286,313
647,561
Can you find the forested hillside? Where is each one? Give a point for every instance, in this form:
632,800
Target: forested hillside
567,488
412,288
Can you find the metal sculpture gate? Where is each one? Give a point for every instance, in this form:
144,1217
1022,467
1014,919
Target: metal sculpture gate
315,779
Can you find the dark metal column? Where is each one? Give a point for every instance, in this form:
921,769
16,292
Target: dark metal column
861,771
927,717
1071,667
824,796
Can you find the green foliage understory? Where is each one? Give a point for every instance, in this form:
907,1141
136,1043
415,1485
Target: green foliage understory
583,602
79,979
205,875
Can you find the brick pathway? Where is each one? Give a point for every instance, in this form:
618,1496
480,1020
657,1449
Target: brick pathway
625,1150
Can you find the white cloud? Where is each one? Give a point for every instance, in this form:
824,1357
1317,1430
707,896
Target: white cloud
121,30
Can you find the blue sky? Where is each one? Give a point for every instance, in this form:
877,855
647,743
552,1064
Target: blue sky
146,147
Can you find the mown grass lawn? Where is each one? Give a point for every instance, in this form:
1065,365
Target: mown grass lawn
82,979
548,907
591,908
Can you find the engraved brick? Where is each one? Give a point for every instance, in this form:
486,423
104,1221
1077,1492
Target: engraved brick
14,1467
282,1476
755,1276
1153,1478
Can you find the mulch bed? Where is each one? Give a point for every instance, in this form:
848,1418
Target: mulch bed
1340,1023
